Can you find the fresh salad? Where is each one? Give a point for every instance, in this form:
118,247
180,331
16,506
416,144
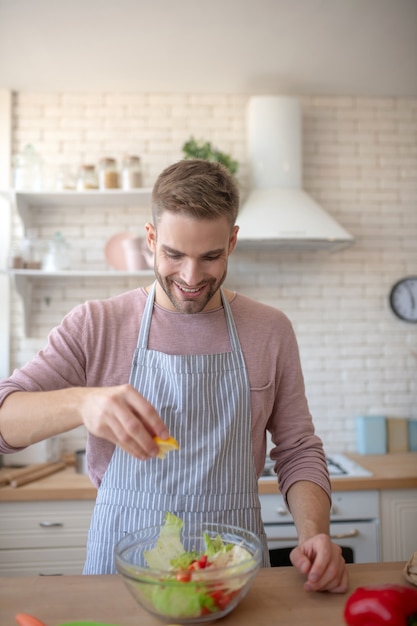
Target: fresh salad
205,585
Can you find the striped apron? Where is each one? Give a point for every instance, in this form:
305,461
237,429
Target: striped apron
205,402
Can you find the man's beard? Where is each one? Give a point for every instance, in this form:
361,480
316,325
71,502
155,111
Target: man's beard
193,305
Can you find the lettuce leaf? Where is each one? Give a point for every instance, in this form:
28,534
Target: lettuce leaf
182,600
168,546
215,545
184,560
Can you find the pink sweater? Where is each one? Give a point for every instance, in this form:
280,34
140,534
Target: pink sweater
94,345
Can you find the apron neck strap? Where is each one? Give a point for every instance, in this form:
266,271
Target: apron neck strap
147,316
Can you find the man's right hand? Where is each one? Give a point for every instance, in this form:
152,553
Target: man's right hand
121,415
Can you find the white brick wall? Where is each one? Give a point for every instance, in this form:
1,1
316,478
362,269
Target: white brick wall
360,163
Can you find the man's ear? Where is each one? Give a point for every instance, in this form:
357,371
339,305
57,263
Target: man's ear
150,236
233,239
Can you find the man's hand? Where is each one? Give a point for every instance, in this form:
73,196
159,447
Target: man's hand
121,415
316,556
321,561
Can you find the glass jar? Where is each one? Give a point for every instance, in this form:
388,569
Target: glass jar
66,178
131,172
87,178
15,258
27,170
108,176
32,250
57,256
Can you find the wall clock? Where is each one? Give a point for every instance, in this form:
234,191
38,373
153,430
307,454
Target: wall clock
403,299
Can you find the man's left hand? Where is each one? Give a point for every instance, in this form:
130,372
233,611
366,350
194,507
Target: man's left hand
322,562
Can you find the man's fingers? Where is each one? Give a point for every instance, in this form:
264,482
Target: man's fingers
322,563
146,412
124,417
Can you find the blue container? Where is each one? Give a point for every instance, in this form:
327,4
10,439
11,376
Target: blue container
371,434
412,435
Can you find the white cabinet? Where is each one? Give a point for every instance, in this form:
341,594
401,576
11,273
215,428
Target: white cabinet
44,538
354,525
29,203
399,524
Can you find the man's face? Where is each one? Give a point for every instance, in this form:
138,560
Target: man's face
190,260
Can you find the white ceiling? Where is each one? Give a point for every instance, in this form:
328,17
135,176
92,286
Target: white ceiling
320,47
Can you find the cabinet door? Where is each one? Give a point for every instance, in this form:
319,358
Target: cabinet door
27,525
399,524
43,538
42,562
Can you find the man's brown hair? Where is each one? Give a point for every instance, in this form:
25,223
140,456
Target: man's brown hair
198,188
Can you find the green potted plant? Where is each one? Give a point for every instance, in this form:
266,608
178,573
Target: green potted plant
193,149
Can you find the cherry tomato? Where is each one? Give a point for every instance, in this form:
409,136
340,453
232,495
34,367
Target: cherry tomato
183,576
221,599
201,563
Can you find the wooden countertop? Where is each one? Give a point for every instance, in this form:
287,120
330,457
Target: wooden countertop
64,485
276,597
389,471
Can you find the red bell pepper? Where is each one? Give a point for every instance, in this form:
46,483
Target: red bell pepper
24,619
385,604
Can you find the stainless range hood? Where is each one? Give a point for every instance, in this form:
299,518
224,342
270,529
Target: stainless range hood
277,212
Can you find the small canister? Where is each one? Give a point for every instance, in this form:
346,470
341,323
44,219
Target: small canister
108,176
81,462
87,178
131,172
412,435
15,258
371,434
32,250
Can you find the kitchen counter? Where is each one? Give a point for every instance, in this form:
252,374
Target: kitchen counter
389,471
64,485
276,597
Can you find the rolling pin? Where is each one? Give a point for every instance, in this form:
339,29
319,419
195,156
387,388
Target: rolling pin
7,477
29,477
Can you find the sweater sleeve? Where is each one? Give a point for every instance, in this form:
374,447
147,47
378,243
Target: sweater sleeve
278,399
298,451
59,365
92,347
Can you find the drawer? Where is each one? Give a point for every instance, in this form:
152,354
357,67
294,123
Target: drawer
42,562
44,524
346,505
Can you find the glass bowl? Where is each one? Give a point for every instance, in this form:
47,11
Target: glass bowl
197,596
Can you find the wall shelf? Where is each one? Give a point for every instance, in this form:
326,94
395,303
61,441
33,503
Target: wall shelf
25,280
27,203
109,274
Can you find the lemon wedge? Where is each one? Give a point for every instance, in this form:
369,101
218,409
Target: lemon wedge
165,446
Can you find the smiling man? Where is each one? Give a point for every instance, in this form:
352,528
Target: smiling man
190,274
189,359
191,248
